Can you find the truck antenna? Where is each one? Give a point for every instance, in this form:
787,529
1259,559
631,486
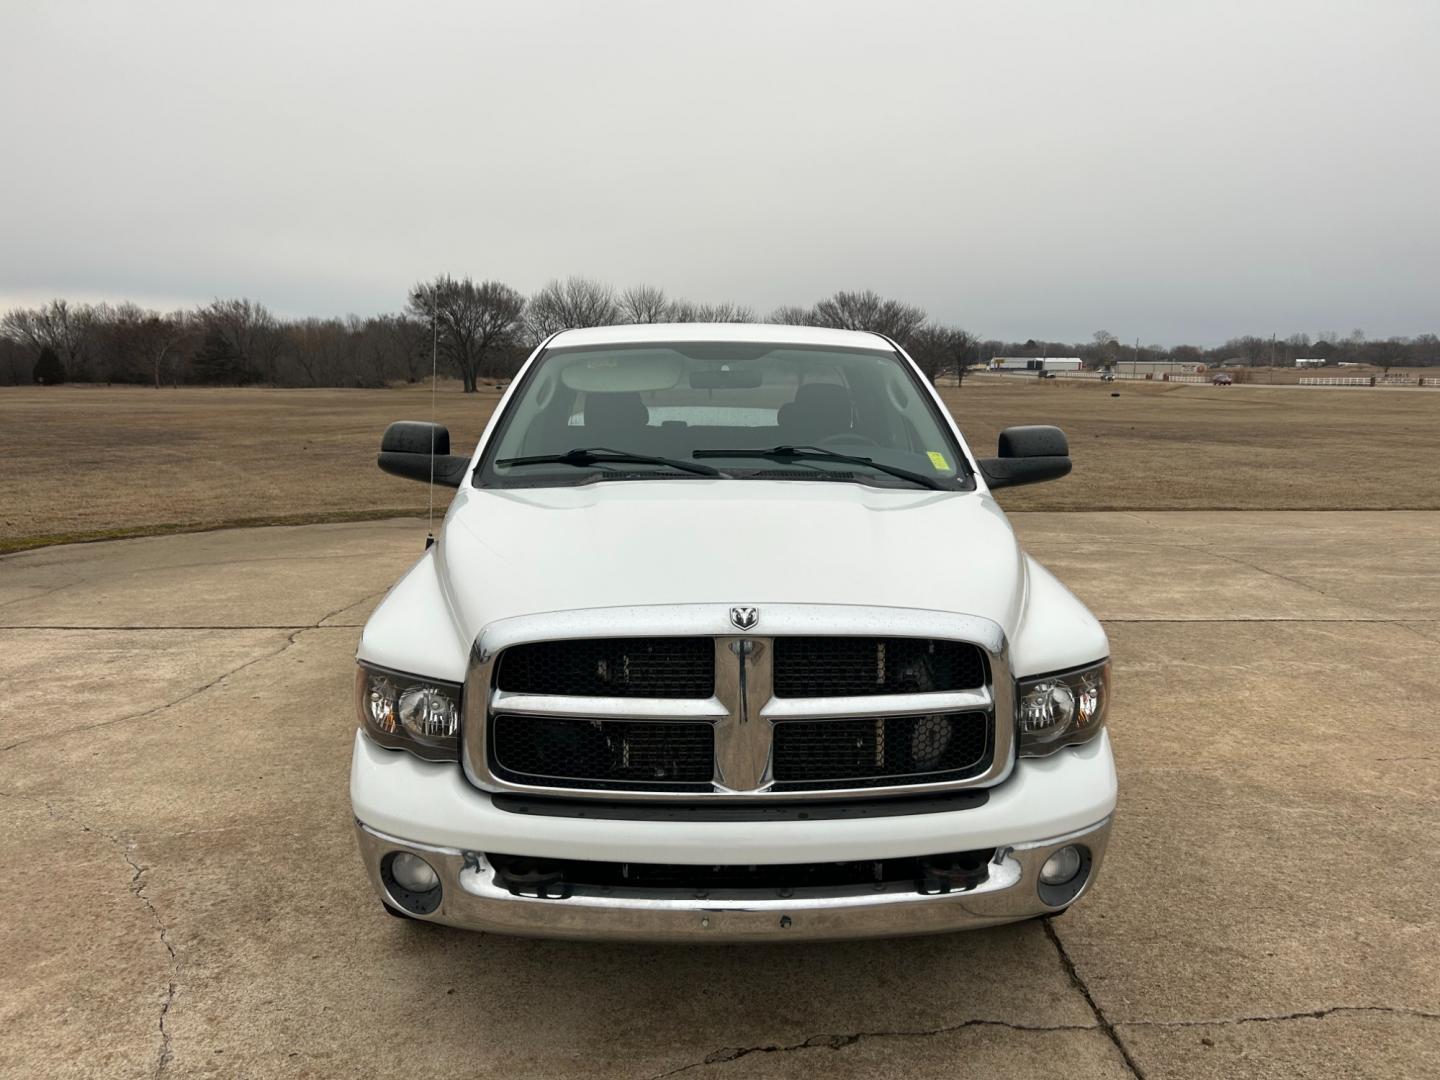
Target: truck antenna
434,370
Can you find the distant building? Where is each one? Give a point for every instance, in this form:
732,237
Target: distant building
1035,363
1310,361
1158,367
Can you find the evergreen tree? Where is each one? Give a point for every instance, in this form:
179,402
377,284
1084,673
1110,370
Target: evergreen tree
216,362
48,368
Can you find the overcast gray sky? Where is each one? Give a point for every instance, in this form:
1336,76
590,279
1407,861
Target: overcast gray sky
1168,171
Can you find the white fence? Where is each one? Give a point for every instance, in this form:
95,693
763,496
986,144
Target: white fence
1068,374
1353,380
1382,381
1101,374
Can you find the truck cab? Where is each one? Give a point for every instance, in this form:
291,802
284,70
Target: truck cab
725,637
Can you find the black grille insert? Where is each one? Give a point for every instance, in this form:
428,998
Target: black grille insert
878,751
657,667
564,877
607,755
857,666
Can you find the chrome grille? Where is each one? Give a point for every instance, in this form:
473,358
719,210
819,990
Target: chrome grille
683,706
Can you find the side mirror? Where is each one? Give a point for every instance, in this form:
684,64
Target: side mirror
1027,456
406,448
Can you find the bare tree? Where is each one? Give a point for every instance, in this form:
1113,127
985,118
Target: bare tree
1189,355
17,363
1252,347
1103,348
576,301
869,311
1425,350
144,340
377,361
26,327
645,304
405,342
1386,354
318,352
792,315
938,349
472,321
67,329
686,311
248,332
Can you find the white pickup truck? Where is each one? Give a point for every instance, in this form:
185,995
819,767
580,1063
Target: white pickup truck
726,638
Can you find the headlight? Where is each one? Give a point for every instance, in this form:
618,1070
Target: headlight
1058,710
409,712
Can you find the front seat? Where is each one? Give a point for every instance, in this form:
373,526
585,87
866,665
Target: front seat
615,420
819,411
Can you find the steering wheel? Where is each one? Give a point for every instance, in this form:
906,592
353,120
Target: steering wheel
848,438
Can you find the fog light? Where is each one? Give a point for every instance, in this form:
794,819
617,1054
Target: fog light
1059,868
415,874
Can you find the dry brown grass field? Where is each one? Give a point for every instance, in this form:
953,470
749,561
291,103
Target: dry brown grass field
95,462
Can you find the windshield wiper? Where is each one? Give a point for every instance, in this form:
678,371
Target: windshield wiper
603,455
817,453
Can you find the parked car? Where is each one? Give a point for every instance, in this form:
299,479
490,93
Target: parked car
1107,376
1223,380
725,637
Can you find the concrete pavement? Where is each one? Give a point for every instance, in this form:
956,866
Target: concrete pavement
184,897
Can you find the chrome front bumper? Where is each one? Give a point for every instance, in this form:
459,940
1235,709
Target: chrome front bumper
471,899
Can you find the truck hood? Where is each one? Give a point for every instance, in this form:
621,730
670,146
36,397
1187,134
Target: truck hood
520,552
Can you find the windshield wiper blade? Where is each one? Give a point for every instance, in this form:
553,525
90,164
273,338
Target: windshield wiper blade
812,453
604,455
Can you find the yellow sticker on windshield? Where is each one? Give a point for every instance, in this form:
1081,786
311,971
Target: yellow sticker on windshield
938,460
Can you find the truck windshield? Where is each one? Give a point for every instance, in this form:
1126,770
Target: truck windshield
726,410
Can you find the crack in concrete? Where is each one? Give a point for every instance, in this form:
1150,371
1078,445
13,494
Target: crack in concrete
96,555
1099,1013
1408,625
200,626
289,643
137,886
1215,554
1403,622
1308,1014
325,619
136,889
137,882
840,1041
45,593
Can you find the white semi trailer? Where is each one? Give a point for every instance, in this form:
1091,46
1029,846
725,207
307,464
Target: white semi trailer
1035,363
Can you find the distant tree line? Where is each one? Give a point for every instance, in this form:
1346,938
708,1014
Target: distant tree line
1105,350
484,330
